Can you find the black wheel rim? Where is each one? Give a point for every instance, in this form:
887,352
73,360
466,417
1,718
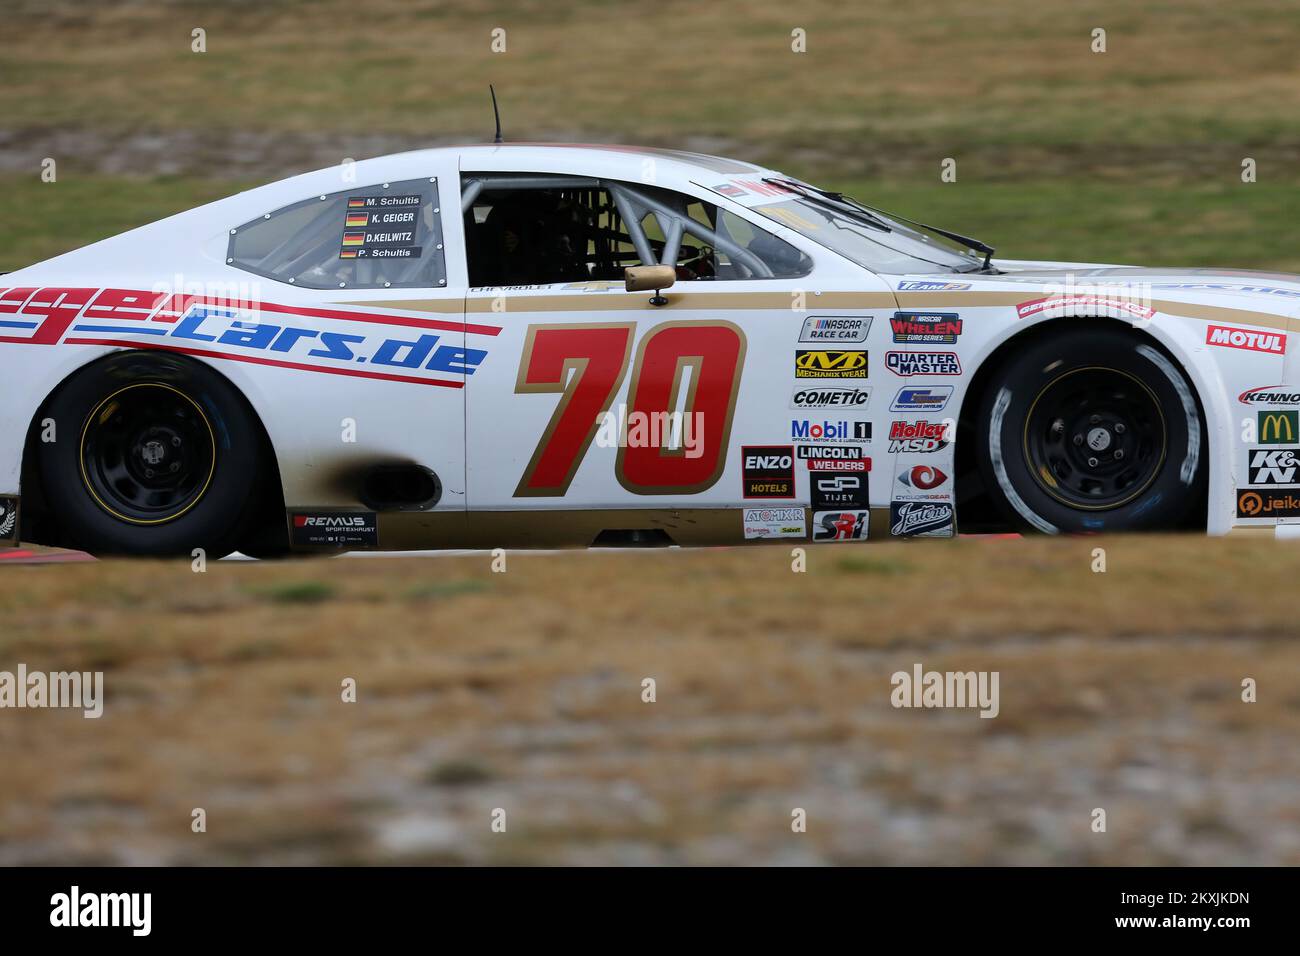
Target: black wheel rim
1095,438
147,454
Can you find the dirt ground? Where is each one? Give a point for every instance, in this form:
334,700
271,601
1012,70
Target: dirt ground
522,692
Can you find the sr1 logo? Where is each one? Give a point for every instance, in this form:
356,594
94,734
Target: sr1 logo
840,525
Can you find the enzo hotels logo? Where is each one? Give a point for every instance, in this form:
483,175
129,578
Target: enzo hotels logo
1279,427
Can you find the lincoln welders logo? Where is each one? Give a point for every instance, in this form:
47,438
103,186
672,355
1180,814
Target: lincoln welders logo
8,519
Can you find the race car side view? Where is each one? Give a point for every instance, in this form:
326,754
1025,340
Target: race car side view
546,345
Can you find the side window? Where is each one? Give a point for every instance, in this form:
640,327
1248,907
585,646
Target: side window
370,237
525,229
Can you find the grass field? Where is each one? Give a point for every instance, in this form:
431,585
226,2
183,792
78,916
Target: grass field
522,691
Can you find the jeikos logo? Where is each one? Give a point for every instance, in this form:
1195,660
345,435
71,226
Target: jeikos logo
907,364
803,429
919,436
831,396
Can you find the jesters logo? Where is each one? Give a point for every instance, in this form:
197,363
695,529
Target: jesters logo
925,328
921,482
920,436
1269,466
911,519
8,519
907,364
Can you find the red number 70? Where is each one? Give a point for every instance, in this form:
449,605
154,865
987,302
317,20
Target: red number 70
586,364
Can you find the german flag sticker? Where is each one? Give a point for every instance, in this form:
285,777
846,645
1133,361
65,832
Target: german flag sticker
357,219
357,203
354,238
348,254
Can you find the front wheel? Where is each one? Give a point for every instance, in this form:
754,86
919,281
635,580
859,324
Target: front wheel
153,455
1092,430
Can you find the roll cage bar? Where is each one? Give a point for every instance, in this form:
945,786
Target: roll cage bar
633,205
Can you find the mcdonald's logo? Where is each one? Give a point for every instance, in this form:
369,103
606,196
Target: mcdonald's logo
1279,428
815,363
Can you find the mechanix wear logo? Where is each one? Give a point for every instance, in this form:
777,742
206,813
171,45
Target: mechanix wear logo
1279,428
809,363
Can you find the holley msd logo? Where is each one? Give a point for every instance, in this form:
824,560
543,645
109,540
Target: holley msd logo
920,436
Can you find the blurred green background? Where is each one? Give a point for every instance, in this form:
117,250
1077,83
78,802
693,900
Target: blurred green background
1131,155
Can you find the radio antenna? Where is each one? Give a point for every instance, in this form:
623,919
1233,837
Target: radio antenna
496,113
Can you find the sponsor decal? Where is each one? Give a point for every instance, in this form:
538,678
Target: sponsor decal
1270,395
1086,305
921,483
907,364
351,529
812,363
839,490
933,286
1228,287
831,396
802,429
1266,503
774,523
912,398
8,520
919,436
840,525
838,452
1273,466
830,464
767,471
912,519
363,344
834,328
925,328
1279,427
381,227
1230,337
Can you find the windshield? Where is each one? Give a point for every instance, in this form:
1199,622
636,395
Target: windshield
872,239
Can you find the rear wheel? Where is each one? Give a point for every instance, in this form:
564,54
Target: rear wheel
153,455
1092,430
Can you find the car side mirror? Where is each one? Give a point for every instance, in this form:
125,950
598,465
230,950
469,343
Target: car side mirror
643,278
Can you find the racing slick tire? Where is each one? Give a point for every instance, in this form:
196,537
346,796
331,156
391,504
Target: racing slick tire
153,455
1092,430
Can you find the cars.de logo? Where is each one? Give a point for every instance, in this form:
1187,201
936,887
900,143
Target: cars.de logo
1222,335
810,363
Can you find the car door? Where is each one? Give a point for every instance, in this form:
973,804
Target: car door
627,411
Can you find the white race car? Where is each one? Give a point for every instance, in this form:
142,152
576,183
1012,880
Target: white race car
535,345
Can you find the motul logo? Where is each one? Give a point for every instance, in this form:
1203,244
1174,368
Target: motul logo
1222,335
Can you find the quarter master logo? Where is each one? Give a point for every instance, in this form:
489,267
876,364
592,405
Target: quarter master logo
809,363
907,364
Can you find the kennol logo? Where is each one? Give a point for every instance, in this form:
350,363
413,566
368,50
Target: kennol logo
1269,395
